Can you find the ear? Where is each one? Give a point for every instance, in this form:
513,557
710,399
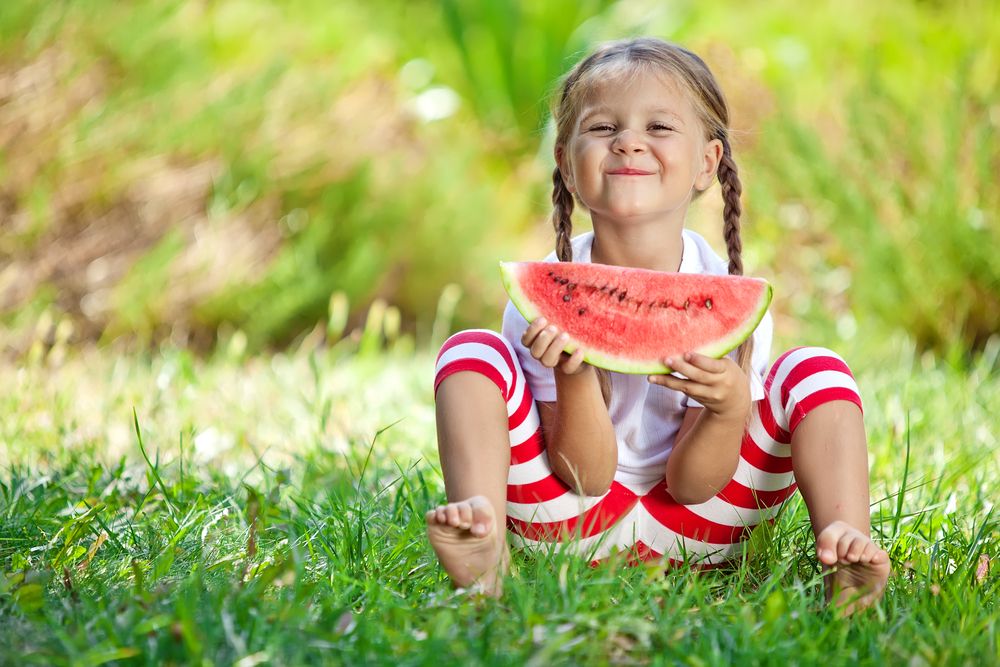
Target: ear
709,165
564,170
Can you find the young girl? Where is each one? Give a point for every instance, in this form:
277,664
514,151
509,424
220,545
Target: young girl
674,467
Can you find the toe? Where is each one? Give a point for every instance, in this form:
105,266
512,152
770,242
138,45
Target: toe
843,545
464,516
827,556
826,543
482,516
857,548
869,553
453,517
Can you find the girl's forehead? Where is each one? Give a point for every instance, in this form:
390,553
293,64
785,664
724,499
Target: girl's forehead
658,89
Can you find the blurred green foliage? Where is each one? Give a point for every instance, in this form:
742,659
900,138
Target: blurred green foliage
177,169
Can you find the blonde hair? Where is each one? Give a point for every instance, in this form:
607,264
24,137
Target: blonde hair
622,61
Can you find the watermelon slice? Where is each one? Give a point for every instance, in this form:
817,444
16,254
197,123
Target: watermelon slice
629,320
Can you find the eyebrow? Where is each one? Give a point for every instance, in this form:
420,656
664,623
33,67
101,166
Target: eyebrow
596,111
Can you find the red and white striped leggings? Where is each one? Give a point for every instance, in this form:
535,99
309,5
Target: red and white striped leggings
643,520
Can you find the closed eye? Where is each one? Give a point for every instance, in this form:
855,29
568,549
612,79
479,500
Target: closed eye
661,127
602,127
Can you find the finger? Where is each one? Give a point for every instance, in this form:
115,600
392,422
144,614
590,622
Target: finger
543,341
700,392
573,363
529,334
670,382
707,364
679,365
552,355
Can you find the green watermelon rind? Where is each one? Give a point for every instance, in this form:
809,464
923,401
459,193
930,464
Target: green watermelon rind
717,349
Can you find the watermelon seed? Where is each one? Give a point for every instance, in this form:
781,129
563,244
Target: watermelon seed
708,304
612,292
581,311
564,281
687,304
566,297
571,286
621,295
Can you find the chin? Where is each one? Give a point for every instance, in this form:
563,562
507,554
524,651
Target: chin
629,212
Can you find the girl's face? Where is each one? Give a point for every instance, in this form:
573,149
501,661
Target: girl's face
638,152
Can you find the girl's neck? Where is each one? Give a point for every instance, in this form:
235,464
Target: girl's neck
641,247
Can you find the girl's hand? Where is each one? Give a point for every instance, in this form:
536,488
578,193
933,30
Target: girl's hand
718,384
546,343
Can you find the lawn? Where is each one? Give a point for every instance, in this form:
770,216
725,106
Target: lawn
268,510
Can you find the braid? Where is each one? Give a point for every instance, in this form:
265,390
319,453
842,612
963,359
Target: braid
731,189
562,208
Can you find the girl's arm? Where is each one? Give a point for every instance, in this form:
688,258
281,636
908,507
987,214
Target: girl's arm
707,449
579,436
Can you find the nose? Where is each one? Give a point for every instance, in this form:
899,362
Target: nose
628,142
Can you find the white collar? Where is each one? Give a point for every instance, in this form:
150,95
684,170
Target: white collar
690,260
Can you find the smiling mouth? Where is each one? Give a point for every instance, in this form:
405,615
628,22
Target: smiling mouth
630,172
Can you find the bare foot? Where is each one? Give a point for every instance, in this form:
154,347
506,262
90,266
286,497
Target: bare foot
464,536
859,568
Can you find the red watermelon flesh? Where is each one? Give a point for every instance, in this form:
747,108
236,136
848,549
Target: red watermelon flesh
630,320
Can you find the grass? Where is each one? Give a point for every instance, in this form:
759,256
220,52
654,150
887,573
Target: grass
268,510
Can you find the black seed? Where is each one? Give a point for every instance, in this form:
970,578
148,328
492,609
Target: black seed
564,281
708,304
581,311
566,297
621,296
612,292
604,288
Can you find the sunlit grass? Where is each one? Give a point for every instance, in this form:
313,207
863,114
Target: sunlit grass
279,520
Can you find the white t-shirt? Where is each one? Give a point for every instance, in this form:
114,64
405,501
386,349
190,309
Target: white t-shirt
646,417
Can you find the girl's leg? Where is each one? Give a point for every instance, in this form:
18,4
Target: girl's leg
473,381
808,431
495,466
830,461
813,403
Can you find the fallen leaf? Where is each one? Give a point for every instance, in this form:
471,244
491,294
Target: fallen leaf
983,568
346,623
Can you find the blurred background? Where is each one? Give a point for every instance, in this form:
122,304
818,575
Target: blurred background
266,174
